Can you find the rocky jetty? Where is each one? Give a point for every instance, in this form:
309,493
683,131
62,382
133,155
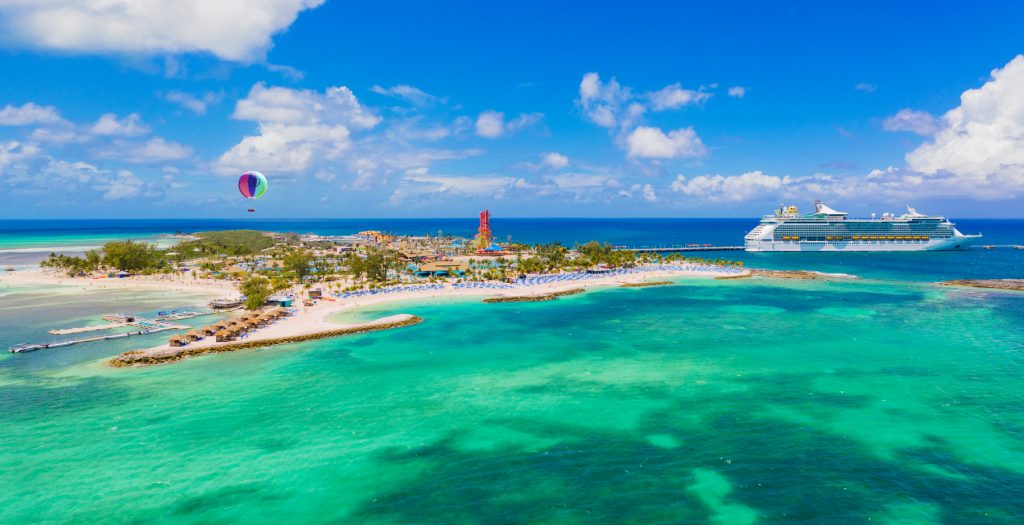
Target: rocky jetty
160,355
534,298
992,284
646,284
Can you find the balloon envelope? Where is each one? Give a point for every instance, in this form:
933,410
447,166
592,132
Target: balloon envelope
252,184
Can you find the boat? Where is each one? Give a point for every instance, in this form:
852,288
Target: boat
828,230
60,344
24,347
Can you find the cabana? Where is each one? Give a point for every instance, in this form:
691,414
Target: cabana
225,335
177,340
211,330
194,335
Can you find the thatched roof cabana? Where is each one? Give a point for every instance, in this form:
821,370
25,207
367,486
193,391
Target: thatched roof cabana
194,335
225,335
212,329
177,340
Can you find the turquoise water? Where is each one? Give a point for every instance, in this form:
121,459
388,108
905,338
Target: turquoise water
728,402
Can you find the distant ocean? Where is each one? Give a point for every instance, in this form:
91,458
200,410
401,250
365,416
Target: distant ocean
885,399
27,241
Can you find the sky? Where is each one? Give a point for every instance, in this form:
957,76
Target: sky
127,109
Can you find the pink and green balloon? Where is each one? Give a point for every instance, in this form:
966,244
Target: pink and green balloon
252,184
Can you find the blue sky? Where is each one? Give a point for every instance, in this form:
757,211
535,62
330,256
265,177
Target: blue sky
663,109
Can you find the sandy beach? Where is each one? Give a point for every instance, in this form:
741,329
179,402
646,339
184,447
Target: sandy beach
167,283
308,322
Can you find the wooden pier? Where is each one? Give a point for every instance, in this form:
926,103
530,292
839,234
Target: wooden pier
685,248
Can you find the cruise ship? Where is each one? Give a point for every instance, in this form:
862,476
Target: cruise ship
828,230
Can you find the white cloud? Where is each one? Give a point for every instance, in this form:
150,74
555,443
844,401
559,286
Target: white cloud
13,152
296,128
282,105
413,94
419,183
980,144
920,122
109,125
524,120
652,143
649,195
735,188
153,150
237,30
675,97
601,103
490,124
125,185
865,87
193,103
28,114
737,91
646,191
555,160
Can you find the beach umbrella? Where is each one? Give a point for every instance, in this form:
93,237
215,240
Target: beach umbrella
252,185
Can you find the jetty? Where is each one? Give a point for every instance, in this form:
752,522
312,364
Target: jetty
167,354
679,248
164,321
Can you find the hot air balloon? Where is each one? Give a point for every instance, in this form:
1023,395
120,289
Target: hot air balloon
252,185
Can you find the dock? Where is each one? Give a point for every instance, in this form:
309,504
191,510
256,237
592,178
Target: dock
164,321
679,248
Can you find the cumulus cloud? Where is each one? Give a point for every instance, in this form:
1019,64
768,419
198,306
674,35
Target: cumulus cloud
197,104
555,160
109,125
420,183
920,122
412,94
13,152
675,97
237,30
491,124
979,145
296,128
653,143
737,91
28,114
602,103
614,106
733,188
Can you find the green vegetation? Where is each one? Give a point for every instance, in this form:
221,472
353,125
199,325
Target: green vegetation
257,290
375,265
227,242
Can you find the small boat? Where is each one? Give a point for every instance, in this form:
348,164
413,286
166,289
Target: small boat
24,347
60,344
9,269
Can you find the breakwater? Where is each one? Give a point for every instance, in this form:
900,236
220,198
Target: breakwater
160,355
992,284
646,284
534,298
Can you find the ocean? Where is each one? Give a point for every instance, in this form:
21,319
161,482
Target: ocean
884,399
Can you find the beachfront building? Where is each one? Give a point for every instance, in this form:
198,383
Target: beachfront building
442,268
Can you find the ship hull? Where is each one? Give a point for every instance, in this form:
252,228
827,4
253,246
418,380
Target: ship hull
953,243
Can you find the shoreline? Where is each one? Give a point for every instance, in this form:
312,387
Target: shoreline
313,322
168,354
209,287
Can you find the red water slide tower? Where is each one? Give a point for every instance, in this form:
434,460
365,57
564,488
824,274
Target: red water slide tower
483,233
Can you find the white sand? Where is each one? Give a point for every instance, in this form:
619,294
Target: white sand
168,283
